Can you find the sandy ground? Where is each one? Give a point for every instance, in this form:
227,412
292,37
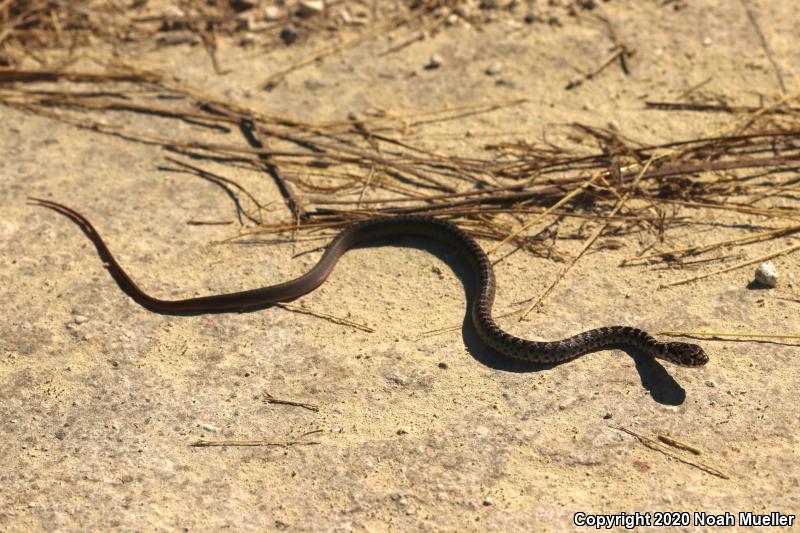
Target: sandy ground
100,399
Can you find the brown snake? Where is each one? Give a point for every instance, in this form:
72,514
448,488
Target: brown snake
508,345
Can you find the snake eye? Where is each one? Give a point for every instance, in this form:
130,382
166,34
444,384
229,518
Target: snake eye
686,354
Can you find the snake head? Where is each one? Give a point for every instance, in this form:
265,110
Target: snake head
685,354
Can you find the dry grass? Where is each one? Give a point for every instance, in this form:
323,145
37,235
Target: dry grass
34,29
520,193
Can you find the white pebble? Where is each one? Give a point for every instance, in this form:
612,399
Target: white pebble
766,274
173,12
273,13
210,428
495,68
435,61
309,8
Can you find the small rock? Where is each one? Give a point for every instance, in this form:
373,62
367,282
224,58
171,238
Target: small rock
80,319
400,499
243,5
289,33
567,402
315,84
396,378
463,10
402,431
707,41
495,68
210,428
443,366
346,17
434,62
309,8
273,13
246,22
607,416
248,39
173,12
487,502
766,274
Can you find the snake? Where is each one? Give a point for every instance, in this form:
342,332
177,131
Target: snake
504,343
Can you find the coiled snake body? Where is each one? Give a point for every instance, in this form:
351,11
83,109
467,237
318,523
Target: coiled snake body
506,344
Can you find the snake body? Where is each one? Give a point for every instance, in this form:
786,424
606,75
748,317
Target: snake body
680,353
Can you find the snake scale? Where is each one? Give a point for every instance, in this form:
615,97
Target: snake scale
680,353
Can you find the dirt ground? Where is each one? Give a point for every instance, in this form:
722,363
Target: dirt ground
100,399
